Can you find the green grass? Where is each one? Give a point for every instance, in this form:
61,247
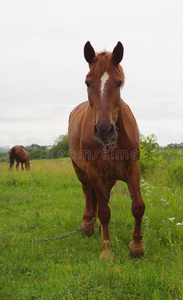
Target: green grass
48,202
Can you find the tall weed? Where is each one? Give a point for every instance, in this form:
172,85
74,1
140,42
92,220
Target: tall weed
150,155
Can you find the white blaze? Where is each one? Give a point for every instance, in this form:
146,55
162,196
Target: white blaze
104,79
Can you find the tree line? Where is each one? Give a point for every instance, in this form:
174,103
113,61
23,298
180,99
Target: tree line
61,149
58,150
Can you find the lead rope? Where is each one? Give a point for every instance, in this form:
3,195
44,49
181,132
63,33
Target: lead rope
67,235
107,199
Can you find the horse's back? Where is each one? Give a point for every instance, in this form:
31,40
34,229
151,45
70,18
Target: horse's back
75,131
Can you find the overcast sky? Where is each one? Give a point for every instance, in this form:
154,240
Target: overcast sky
42,67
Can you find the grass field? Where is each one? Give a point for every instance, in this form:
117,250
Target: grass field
48,202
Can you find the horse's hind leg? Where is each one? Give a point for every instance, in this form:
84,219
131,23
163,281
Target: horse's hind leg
17,164
138,207
11,164
90,201
22,164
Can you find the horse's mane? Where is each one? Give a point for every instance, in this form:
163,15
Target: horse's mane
100,64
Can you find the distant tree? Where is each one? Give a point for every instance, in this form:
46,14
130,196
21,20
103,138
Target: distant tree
60,147
175,146
34,147
37,152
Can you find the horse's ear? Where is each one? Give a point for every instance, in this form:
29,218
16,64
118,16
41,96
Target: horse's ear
89,52
117,53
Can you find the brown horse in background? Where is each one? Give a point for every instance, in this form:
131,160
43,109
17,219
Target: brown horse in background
20,155
104,145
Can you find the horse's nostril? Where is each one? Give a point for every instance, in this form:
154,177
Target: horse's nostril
104,132
111,131
96,130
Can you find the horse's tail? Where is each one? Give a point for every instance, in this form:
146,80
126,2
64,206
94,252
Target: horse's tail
12,155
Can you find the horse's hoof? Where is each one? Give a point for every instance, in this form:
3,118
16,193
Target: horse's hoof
106,255
136,249
87,232
136,255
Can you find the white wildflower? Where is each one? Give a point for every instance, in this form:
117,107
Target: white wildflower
171,219
145,184
178,224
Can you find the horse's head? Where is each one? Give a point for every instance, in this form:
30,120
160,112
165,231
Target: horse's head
104,81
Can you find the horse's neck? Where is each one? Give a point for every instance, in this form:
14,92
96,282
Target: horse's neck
120,124
126,125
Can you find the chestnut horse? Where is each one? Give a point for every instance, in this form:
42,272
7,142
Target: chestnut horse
104,145
20,155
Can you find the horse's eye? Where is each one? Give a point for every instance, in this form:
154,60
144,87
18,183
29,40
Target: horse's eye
119,83
88,83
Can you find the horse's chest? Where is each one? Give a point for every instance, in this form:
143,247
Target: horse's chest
117,170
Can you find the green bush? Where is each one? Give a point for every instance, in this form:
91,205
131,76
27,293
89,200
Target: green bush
175,166
176,171
150,155
4,157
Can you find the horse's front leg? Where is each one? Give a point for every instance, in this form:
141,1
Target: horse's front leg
138,207
98,184
90,208
22,164
90,201
104,215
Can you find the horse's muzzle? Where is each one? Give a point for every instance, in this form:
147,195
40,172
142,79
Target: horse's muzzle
105,133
